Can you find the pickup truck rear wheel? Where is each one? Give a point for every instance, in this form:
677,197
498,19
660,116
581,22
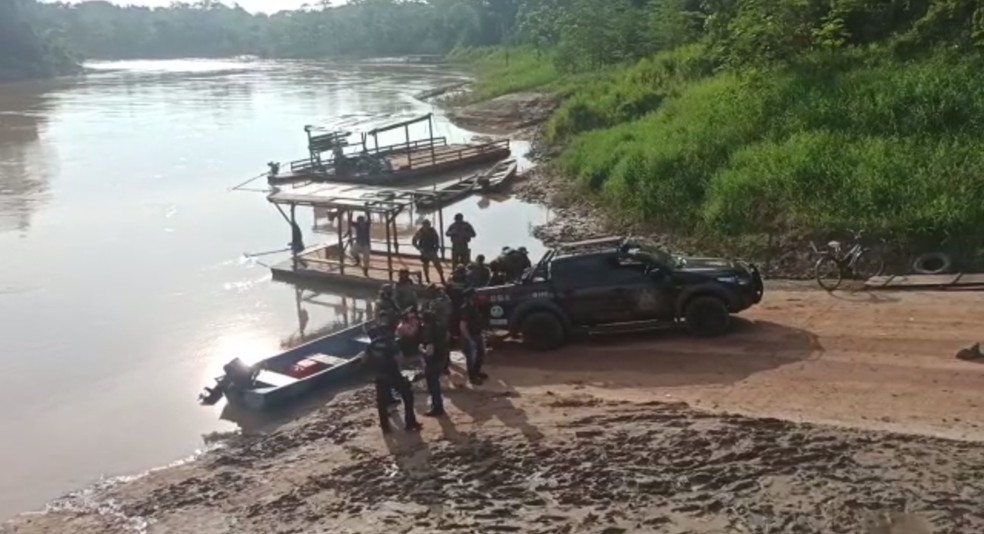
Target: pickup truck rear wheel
542,331
707,317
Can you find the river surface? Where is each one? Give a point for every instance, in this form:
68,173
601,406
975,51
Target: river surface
123,281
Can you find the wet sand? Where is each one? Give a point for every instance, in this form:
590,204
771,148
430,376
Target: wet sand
821,413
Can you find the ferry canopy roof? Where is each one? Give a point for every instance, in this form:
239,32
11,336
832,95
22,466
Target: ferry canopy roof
344,197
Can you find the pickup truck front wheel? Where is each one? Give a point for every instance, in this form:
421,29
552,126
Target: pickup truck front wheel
707,317
542,331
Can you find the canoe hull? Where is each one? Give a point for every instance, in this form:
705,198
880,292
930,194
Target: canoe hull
346,346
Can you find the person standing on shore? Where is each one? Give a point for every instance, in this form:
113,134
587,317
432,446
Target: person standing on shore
428,243
381,355
436,352
461,233
440,305
405,291
472,339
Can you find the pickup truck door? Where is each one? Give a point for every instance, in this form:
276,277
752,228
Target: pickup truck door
601,289
580,292
639,289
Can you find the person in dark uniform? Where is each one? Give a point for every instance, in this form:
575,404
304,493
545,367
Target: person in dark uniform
386,306
440,304
436,352
479,274
405,291
461,233
428,242
455,290
381,357
472,339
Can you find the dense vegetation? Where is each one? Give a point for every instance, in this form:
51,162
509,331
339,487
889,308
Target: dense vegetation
700,116
209,28
767,116
24,51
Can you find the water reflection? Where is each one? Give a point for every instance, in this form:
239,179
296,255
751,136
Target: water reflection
124,293
25,161
347,307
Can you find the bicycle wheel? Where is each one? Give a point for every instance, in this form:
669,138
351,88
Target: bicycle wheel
868,264
828,273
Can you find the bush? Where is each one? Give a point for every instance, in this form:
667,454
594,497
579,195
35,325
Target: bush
503,70
826,144
629,93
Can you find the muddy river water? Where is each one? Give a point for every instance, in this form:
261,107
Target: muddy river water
123,284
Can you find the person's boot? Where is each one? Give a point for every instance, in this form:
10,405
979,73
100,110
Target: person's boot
434,412
413,426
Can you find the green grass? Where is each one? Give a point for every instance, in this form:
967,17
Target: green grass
833,143
500,70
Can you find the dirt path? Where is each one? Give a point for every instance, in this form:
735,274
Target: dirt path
869,359
593,439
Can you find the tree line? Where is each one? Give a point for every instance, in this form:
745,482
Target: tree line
581,34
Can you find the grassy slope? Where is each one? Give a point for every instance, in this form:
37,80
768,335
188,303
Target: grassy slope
853,140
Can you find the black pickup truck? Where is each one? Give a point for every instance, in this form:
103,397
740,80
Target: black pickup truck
617,283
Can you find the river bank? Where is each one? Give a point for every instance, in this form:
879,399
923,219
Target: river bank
579,214
820,414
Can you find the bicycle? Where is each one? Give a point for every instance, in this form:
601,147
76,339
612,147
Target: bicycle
858,262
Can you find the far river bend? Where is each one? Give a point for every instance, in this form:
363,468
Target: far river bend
123,286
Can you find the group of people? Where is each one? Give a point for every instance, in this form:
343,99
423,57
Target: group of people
403,329
507,267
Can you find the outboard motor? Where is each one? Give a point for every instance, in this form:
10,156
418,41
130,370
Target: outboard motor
237,374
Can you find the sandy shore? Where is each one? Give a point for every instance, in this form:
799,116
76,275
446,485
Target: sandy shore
821,413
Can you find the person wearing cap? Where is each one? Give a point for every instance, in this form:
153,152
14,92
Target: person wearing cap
434,340
405,292
461,233
427,241
381,358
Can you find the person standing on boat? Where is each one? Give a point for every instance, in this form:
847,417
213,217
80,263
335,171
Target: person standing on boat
472,339
434,339
381,356
428,243
461,233
362,247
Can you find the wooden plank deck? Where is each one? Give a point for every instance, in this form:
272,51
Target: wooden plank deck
322,265
927,281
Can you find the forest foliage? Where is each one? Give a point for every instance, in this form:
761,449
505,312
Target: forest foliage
700,116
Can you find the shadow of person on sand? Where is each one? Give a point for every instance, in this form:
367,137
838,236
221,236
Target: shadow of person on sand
662,358
493,399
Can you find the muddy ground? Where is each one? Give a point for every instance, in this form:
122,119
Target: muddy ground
821,413
516,114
